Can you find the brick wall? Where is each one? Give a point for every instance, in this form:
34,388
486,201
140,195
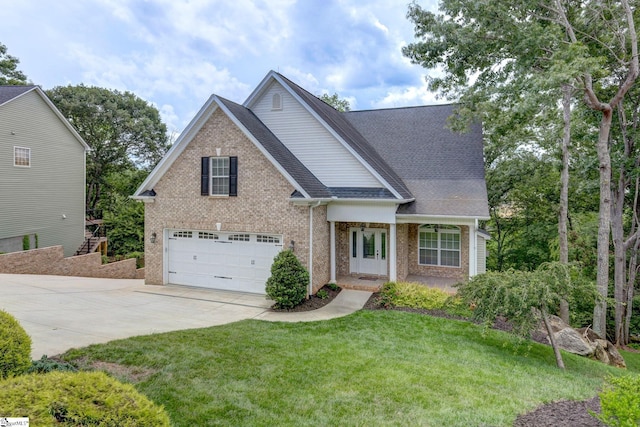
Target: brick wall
51,261
262,204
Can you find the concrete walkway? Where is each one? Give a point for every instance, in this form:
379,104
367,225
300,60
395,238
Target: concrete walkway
60,312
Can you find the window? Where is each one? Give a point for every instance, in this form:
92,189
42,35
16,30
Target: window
207,236
439,245
22,156
239,237
276,102
183,234
260,238
219,176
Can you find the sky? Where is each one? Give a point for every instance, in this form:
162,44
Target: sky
176,53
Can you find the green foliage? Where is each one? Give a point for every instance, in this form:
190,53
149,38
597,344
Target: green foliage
9,73
288,283
333,286
37,242
78,399
124,132
15,347
139,256
322,294
26,242
420,296
620,402
124,222
336,102
521,295
46,364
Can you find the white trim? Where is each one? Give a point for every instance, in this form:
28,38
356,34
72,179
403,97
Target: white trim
439,219
332,251
263,86
393,273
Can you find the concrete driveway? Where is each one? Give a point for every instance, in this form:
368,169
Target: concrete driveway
60,312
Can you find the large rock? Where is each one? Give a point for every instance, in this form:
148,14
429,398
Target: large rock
584,342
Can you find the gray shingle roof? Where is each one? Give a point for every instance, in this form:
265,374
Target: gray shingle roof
7,93
351,136
443,170
277,149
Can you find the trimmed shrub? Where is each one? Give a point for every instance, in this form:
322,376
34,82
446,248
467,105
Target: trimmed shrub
419,296
288,283
78,399
15,347
620,402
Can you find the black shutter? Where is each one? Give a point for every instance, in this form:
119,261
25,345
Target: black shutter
233,176
204,179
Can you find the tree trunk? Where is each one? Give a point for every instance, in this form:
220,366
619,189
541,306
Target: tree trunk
563,213
604,225
619,259
554,345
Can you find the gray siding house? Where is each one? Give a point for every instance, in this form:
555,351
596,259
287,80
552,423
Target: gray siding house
42,173
371,195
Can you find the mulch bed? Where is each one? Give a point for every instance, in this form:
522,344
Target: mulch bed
557,414
313,303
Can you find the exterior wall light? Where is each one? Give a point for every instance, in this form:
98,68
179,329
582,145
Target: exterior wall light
152,239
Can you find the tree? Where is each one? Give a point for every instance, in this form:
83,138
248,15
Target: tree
524,297
491,49
336,102
123,131
9,73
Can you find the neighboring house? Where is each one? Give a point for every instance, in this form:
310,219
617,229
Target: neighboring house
42,173
383,193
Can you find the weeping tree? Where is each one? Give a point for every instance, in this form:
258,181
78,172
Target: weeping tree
526,298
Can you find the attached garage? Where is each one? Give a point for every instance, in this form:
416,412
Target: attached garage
229,261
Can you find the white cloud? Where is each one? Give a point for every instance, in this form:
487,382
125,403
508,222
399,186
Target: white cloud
408,96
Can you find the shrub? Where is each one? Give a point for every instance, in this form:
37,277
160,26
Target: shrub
287,285
15,347
417,295
333,286
46,364
388,294
620,402
78,399
26,243
139,256
322,294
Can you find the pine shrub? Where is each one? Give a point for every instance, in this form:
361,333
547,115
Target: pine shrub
78,399
15,347
288,283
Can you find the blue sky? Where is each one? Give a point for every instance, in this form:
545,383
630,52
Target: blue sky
176,53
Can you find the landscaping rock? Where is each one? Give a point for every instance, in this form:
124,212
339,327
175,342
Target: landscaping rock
583,341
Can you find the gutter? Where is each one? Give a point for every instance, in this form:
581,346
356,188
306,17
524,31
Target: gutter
325,200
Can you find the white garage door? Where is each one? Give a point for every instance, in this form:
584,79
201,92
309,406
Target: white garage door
231,261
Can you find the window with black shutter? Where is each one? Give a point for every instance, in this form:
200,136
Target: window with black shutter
219,176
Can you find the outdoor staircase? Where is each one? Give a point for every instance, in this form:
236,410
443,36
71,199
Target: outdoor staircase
95,240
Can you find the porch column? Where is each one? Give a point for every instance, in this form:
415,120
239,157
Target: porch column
393,275
332,251
473,251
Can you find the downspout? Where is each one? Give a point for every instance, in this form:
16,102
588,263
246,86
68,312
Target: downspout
311,208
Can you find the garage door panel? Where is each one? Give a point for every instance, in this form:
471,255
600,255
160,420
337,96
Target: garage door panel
230,261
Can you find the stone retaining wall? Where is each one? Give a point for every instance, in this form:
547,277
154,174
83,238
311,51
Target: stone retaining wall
51,261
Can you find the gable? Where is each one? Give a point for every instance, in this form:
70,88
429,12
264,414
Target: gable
310,141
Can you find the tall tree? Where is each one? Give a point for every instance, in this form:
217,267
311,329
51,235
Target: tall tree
336,102
123,131
493,47
9,73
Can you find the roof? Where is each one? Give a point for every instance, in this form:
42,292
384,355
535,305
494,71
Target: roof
7,93
443,170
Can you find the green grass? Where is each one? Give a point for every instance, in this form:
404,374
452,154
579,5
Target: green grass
371,368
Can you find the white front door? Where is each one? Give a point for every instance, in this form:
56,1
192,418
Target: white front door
368,251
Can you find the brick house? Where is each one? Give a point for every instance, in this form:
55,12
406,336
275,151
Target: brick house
386,194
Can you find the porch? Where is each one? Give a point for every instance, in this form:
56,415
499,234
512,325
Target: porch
374,283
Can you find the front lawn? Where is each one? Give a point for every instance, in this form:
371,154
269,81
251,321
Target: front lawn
370,368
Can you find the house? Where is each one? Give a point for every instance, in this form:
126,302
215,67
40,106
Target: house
42,174
386,193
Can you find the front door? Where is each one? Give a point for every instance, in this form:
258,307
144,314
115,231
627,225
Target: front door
368,249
